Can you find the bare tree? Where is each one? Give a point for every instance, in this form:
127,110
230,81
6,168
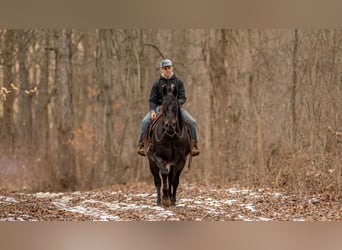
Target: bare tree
42,117
8,130
104,66
26,94
66,175
294,88
253,102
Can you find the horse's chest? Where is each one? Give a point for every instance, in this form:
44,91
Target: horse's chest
168,152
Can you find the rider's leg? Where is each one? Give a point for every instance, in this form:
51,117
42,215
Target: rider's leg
193,125
146,121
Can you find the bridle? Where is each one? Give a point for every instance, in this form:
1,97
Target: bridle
166,131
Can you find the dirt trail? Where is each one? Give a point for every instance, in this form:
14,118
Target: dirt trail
136,202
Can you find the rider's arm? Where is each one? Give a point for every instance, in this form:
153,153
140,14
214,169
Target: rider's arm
181,93
154,100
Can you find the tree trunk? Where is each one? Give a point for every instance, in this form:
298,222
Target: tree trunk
8,127
294,89
42,135
104,66
26,93
66,176
253,102
208,100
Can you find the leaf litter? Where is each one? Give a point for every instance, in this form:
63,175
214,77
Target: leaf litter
137,202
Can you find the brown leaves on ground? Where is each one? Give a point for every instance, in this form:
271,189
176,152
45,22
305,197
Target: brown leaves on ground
137,202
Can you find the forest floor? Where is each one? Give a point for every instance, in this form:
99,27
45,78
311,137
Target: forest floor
137,202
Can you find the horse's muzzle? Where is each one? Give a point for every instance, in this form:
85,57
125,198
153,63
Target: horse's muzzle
170,128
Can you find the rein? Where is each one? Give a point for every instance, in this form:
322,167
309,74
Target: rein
175,133
171,135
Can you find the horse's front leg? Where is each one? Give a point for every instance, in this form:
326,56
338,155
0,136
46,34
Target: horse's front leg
166,195
176,172
171,185
164,172
175,182
157,181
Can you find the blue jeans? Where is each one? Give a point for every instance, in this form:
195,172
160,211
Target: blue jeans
146,121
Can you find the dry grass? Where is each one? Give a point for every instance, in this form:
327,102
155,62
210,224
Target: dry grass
24,173
304,173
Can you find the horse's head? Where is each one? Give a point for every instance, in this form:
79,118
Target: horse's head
170,109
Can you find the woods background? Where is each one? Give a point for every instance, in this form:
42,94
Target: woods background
268,105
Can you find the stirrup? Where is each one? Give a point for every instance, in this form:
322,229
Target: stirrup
195,151
141,150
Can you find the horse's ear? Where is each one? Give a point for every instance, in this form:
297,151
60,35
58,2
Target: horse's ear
174,90
164,90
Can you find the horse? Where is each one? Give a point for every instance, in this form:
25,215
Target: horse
169,144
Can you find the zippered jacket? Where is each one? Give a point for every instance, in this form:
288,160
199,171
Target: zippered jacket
156,95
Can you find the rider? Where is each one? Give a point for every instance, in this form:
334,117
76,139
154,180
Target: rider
167,76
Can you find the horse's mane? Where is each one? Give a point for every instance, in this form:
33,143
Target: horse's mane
169,99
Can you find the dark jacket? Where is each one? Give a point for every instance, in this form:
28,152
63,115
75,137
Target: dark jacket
156,95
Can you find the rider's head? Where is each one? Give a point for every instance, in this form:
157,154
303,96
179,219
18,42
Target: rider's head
166,68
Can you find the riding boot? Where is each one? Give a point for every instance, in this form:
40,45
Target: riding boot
194,150
141,149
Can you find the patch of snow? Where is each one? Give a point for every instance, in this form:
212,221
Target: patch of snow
298,219
185,200
142,195
277,194
5,199
229,202
250,207
236,191
46,195
233,190
264,219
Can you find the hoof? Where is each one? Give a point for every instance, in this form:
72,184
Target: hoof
166,202
159,202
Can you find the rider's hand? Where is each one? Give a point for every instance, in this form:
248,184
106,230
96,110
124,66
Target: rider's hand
153,115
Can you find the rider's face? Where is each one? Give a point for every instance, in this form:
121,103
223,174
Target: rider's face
167,71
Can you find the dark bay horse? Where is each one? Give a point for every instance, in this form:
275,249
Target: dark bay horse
168,147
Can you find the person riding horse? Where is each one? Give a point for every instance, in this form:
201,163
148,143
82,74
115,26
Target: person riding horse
169,145
167,77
